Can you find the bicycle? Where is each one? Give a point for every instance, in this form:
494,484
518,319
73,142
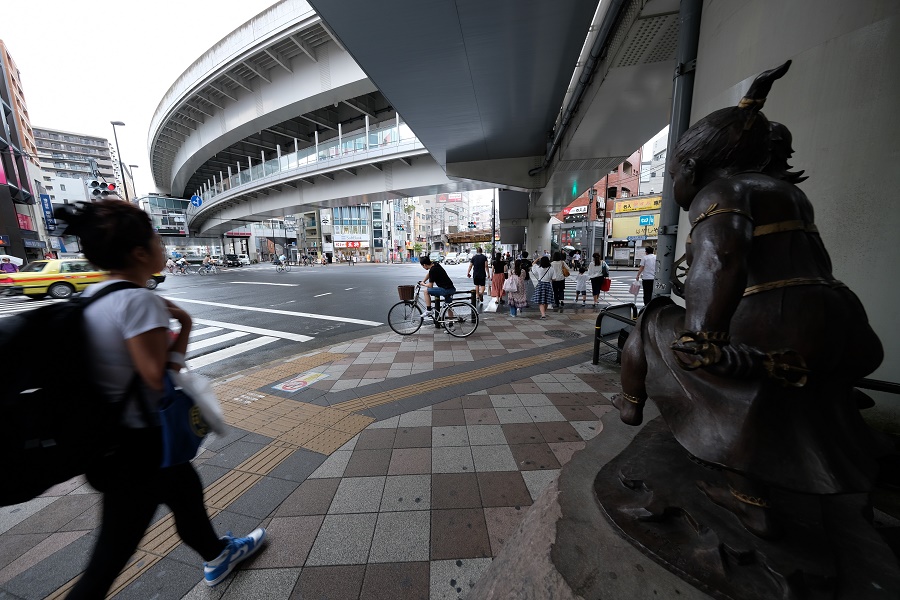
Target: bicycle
459,318
210,269
281,267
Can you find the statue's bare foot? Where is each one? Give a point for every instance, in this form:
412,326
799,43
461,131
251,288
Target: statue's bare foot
631,412
758,520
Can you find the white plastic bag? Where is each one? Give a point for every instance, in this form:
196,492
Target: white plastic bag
200,390
635,288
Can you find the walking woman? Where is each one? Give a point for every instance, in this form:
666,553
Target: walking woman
598,273
543,291
498,266
517,300
558,278
129,338
526,273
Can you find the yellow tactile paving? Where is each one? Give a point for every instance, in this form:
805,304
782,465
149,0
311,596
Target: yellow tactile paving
441,382
292,425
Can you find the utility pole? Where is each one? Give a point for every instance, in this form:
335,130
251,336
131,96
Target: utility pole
494,223
590,217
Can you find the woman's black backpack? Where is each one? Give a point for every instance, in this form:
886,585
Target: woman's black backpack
55,422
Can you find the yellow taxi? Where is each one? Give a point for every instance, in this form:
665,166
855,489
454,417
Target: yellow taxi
58,278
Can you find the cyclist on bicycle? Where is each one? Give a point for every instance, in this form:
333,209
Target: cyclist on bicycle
441,284
207,262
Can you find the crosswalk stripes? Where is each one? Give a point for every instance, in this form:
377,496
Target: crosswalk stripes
215,341
11,306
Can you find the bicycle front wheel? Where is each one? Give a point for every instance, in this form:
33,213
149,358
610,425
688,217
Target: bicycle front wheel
405,318
464,319
287,268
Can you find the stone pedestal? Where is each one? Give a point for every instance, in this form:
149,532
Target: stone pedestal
565,549
635,524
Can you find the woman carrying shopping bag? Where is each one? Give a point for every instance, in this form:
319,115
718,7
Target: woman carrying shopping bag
129,340
598,275
515,289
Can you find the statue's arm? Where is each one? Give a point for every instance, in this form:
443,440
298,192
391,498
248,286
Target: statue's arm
720,246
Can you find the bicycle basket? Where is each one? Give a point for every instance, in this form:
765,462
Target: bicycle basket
407,292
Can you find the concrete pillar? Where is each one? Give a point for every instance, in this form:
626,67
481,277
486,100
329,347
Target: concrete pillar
537,236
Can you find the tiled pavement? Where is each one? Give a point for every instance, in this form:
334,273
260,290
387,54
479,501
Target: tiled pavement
399,475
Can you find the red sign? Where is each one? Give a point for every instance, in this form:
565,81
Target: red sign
238,234
25,222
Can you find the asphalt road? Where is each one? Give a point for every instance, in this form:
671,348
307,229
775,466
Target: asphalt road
249,315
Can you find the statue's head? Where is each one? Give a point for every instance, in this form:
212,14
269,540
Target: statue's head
729,140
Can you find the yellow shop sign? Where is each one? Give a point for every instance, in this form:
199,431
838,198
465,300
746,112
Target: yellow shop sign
638,204
623,227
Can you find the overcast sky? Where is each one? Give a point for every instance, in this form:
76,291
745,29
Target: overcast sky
86,63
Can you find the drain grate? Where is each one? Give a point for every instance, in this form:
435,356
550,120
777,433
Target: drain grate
563,334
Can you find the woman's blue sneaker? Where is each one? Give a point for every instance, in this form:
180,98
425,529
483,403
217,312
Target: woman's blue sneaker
237,550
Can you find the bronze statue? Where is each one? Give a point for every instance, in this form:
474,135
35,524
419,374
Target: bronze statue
755,374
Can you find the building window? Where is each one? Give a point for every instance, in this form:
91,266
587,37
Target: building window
62,188
46,178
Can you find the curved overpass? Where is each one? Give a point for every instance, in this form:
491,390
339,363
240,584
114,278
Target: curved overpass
244,120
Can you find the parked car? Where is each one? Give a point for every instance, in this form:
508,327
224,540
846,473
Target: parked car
243,259
436,257
451,258
232,260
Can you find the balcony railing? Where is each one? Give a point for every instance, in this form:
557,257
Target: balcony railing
353,146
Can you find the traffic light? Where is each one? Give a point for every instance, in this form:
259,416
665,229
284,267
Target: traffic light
101,190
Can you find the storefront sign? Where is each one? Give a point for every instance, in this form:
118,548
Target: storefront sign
627,227
350,237
351,245
300,381
449,197
34,244
638,204
4,240
234,234
47,207
25,222
575,210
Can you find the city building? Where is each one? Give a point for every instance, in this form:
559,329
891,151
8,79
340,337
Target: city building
17,102
21,226
653,171
68,154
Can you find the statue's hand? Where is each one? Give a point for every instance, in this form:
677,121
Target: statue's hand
739,362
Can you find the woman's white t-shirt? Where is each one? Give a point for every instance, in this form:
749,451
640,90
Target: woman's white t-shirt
119,316
556,273
538,274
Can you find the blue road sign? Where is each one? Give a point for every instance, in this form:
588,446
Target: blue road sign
197,201
646,220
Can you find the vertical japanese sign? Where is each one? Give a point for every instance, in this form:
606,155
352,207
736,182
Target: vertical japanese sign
47,207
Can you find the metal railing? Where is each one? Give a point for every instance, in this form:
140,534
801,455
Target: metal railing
603,329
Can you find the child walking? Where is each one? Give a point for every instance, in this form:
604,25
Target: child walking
581,286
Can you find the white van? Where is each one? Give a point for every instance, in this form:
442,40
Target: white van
451,258
243,259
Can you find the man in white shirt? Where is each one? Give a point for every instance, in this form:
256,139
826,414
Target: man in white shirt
647,273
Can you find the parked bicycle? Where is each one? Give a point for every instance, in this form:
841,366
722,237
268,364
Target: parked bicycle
459,318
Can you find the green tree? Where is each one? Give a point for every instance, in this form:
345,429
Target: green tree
417,248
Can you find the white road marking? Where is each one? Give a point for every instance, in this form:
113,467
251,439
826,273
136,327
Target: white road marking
204,331
262,283
320,295
212,357
275,311
294,337
216,340
347,289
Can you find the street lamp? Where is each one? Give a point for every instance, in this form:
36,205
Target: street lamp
132,167
121,166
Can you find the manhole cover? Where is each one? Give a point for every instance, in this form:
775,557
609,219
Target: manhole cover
562,334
